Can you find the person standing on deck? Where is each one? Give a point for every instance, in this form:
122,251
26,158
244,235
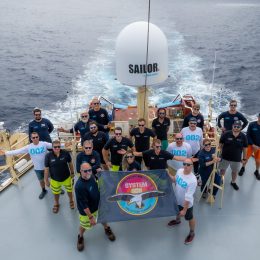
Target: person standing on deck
89,156
117,145
37,151
99,115
161,125
59,167
186,184
156,158
41,125
233,144
193,135
87,197
230,117
178,148
253,137
195,113
99,140
142,136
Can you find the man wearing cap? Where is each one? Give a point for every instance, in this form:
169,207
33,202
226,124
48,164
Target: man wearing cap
88,196
230,117
193,135
253,137
196,114
161,125
40,125
233,144
178,148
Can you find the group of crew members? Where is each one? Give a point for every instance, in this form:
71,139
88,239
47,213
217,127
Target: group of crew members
190,158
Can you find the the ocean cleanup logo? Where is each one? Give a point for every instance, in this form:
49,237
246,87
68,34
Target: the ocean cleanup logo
136,194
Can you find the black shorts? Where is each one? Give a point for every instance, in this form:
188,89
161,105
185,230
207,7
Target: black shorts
189,213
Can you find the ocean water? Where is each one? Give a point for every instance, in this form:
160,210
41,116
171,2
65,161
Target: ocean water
57,54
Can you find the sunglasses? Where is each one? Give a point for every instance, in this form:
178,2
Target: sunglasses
118,133
158,146
88,170
161,113
37,114
56,147
88,147
233,105
96,103
140,125
84,116
93,127
192,123
236,126
179,139
196,109
129,156
207,144
35,137
187,164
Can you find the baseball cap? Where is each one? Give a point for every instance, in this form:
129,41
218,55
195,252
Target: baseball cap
193,119
237,123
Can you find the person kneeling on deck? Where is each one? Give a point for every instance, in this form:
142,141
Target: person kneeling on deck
186,184
87,197
59,166
118,145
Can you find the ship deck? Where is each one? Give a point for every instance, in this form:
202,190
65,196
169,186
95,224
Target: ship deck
29,229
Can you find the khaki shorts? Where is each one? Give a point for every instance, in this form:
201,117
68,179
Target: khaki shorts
235,166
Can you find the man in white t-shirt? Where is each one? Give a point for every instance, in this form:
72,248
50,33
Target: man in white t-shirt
37,151
178,148
193,135
186,184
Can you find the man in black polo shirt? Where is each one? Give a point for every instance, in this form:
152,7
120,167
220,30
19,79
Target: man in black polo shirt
161,125
195,113
60,168
88,196
230,117
117,146
142,137
233,144
100,115
156,158
99,139
89,156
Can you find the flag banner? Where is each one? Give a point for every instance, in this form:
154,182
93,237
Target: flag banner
135,195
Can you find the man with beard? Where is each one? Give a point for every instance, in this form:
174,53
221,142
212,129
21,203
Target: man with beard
233,144
98,138
41,125
161,125
196,114
117,146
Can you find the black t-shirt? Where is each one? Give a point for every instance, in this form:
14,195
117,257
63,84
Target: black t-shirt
199,118
156,162
98,141
100,116
115,146
233,146
253,133
142,140
229,119
161,128
58,166
204,157
87,195
93,159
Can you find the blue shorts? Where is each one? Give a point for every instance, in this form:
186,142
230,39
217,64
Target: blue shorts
40,174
